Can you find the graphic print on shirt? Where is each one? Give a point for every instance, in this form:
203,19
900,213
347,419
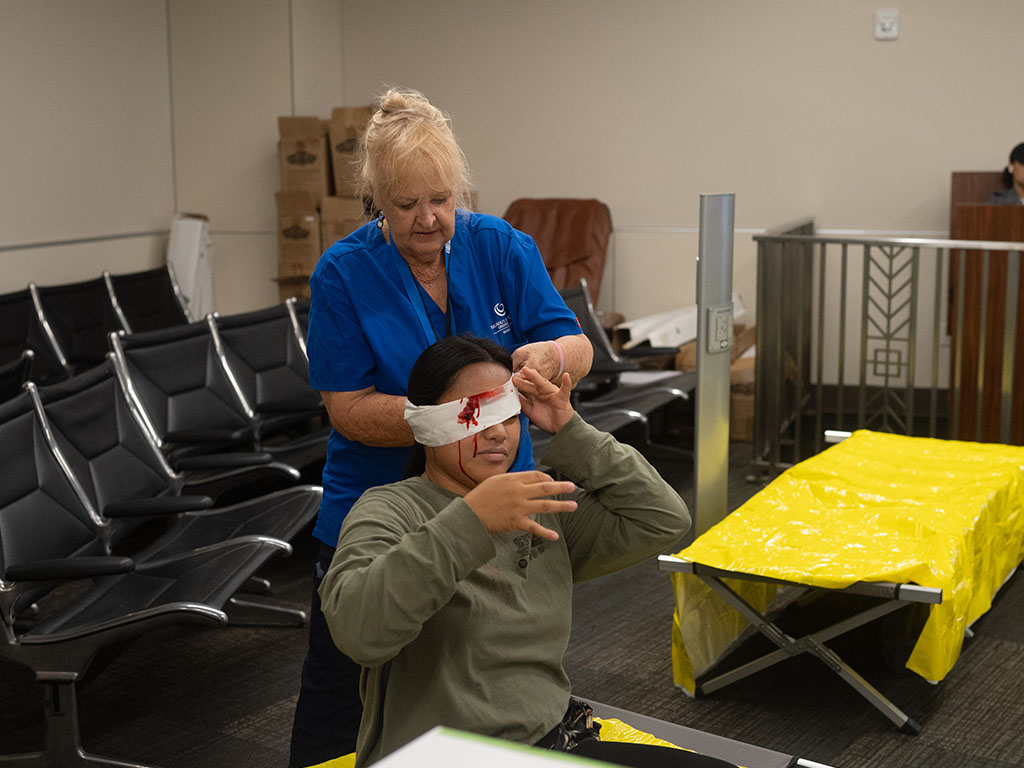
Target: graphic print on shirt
528,547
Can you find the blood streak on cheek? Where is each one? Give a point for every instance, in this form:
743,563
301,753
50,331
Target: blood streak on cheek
463,469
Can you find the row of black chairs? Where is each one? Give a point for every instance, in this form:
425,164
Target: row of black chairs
146,492
48,333
227,383
641,407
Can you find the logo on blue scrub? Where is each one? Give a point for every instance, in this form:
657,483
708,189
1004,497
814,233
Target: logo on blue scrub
502,325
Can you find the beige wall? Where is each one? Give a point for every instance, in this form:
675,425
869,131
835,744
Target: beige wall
84,138
792,105
118,112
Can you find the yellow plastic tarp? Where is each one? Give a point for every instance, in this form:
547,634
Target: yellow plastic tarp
613,729
345,761
875,507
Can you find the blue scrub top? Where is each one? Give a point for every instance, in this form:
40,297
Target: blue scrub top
365,330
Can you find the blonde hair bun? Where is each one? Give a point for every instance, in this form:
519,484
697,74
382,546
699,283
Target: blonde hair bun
398,100
409,139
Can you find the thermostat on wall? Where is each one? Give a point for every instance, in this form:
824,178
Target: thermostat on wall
887,24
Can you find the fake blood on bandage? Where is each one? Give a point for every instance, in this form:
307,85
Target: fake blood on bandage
471,409
469,413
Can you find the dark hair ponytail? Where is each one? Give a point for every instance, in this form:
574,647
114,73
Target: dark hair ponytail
435,371
1016,156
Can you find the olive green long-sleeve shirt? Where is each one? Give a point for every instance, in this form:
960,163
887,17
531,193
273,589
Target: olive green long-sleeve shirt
459,627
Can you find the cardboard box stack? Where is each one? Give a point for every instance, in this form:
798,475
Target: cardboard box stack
340,216
741,375
346,128
298,241
303,157
316,204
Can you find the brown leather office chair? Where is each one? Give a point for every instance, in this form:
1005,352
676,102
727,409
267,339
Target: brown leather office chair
572,235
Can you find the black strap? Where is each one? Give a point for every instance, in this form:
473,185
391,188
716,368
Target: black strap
576,727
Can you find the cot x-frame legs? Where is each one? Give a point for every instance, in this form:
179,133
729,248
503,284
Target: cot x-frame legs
896,596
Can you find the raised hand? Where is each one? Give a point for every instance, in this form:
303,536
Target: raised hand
544,403
541,356
505,502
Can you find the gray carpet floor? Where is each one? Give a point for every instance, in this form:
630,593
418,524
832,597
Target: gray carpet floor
224,698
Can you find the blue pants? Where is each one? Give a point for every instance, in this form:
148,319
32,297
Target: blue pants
328,710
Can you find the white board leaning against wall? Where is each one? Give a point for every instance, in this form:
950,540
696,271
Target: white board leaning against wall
190,254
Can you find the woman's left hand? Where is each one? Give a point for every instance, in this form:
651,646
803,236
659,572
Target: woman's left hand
544,404
542,356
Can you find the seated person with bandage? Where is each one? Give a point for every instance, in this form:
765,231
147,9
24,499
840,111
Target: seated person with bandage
453,588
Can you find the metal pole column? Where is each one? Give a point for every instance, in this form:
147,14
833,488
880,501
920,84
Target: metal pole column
714,340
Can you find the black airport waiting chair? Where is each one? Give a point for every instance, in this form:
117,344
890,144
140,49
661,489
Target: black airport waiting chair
147,300
192,407
14,374
127,481
80,316
21,328
608,366
128,484
647,395
263,352
50,538
300,309
188,401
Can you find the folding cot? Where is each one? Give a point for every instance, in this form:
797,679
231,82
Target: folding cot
904,519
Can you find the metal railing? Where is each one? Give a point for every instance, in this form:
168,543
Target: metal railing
880,333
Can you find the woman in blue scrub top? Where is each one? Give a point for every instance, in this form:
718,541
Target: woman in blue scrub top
426,268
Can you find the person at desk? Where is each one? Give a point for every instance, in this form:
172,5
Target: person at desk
426,268
453,588
1013,180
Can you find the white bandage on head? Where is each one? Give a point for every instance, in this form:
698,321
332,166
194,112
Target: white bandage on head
436,425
